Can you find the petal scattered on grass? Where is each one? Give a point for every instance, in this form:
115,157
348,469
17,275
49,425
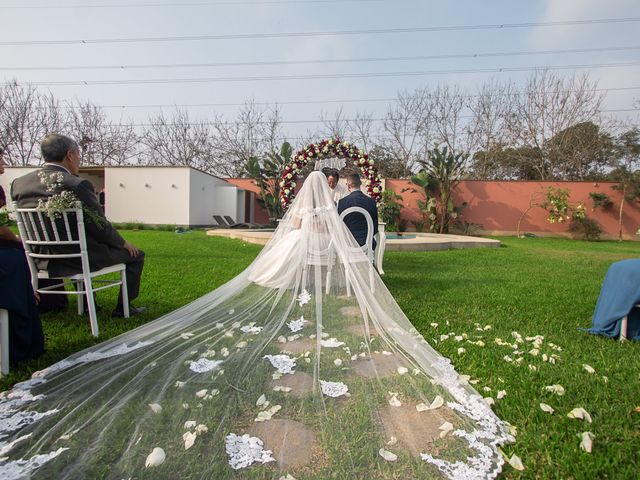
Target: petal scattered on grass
557,389
501,394
155,458
515,462
387,455
189,439
546,408
394,402
588,368
445,428
403,370
155,407
586,442
490,401
580,414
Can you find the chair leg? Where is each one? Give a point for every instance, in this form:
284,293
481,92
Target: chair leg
623,328
4,341
80,286
91,305
125,293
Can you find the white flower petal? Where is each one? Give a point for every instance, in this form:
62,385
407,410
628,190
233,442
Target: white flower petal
155,458
155,407
189,439
189,424
586,443
501,394
546,408
437,402
403,370
516,462
588,368
446,427
387,455
394,402
557,389
579,413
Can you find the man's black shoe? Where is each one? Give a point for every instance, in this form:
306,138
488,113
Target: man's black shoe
132,312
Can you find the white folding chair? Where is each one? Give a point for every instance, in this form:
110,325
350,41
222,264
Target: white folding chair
46,238
4,341
356,253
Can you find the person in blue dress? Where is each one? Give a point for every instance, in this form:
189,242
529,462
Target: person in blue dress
619,297
26,339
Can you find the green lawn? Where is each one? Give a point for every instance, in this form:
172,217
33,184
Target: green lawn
533,287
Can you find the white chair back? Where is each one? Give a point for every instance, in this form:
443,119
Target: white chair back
63,238
368,245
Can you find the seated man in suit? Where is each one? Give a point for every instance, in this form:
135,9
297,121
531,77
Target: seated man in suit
355,222
104,244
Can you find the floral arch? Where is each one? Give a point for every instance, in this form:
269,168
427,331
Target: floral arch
328,149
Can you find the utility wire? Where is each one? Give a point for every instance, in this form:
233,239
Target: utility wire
376,31
325,61
310,102
306,121
186,4
328,76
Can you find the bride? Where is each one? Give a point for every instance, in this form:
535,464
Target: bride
303,366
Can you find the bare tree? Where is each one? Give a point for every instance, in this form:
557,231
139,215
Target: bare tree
337,127
361,131
407,124
449,126
26,116
487,133
255,132
177,140
547,105
101,141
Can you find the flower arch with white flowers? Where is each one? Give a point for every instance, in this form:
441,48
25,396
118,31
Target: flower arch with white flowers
327,149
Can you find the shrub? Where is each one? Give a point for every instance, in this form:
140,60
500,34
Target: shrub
586,228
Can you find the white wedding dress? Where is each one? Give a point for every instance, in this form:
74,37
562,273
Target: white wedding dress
281,371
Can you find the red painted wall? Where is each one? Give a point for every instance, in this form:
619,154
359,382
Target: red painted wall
497,206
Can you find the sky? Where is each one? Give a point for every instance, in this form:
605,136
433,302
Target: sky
245,34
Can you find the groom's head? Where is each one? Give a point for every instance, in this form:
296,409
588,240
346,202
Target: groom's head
353,181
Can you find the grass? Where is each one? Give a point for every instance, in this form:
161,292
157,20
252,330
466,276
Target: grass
533,287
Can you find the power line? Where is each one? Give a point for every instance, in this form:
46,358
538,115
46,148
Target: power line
328,76
325,61
377,31
320,120
308,102
187,4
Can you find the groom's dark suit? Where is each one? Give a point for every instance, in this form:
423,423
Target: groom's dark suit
104,243
355,222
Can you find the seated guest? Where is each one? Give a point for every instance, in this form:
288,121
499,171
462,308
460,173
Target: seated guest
26,339
104,244
619,295
355,222
338,191
8,239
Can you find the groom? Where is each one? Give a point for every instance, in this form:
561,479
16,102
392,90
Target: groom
355,222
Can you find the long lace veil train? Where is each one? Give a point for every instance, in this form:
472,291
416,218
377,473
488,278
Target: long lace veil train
302,365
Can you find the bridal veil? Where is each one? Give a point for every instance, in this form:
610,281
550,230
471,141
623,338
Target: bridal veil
303,366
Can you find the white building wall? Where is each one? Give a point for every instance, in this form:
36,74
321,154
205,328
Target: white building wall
10,174
158,195
202,197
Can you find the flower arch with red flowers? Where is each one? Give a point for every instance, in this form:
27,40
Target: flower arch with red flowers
324,150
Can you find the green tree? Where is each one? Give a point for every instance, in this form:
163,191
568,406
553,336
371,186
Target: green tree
626,171
446,169
580,152
266,173
389,209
